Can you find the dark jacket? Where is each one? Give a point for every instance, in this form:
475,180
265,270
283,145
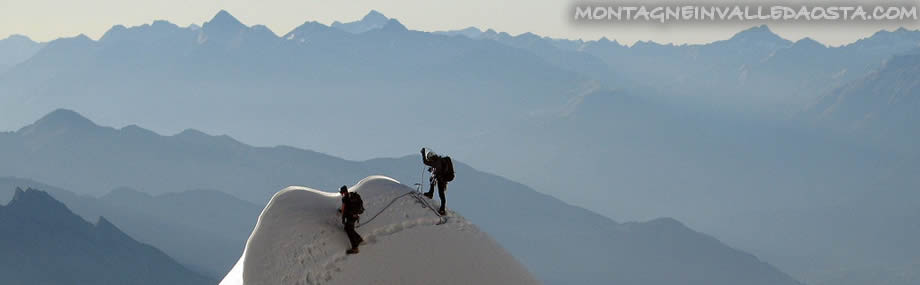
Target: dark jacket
346,211
437,162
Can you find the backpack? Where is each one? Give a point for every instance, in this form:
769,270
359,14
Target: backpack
448,169
355,205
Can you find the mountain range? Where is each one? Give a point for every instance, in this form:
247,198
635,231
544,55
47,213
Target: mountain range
313,73
16,49
43,242
753,63
203,238
295,241
500,78
537,229
882,105
752,128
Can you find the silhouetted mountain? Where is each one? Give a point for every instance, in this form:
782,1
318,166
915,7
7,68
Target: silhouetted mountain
551,51
635,157
701,123
750,69
59,122
760,36
141,71
683,69
44,243
537,229
541,230
883,105
223,22
225,32
202,229
372,21
16,49
470,32
311,32
641,152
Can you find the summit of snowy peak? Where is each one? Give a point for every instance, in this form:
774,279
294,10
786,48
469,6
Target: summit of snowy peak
299,239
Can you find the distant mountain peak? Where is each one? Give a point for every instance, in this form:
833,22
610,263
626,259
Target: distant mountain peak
196,136
310,24
192,133
135,129
40,230
18,38
808,42
374,15
760,33
900,33
82,38
471,29
887,39
65,115
899,30
59,120
223,16
469,32
264,30
306,30
112,32
529,36
32,200
223,20
163,23
28,194
18,193
372,21
762,29
394,25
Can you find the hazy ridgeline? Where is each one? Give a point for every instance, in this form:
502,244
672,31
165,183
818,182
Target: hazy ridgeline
206,230
43,242
799,153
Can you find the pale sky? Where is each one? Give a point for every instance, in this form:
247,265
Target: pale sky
45,20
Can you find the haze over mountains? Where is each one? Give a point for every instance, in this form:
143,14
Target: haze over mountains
204,239
749,139
44,243
317,78
537,229
882,105
318,65
16,49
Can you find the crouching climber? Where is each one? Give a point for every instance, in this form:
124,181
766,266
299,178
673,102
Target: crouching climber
352,208
442,170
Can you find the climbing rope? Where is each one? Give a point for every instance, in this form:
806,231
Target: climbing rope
384,208
418,194
428,205
415,194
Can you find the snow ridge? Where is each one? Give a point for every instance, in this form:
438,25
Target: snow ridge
299,240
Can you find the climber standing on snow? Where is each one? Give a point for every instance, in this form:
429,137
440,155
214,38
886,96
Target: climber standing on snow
442,170
352,207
